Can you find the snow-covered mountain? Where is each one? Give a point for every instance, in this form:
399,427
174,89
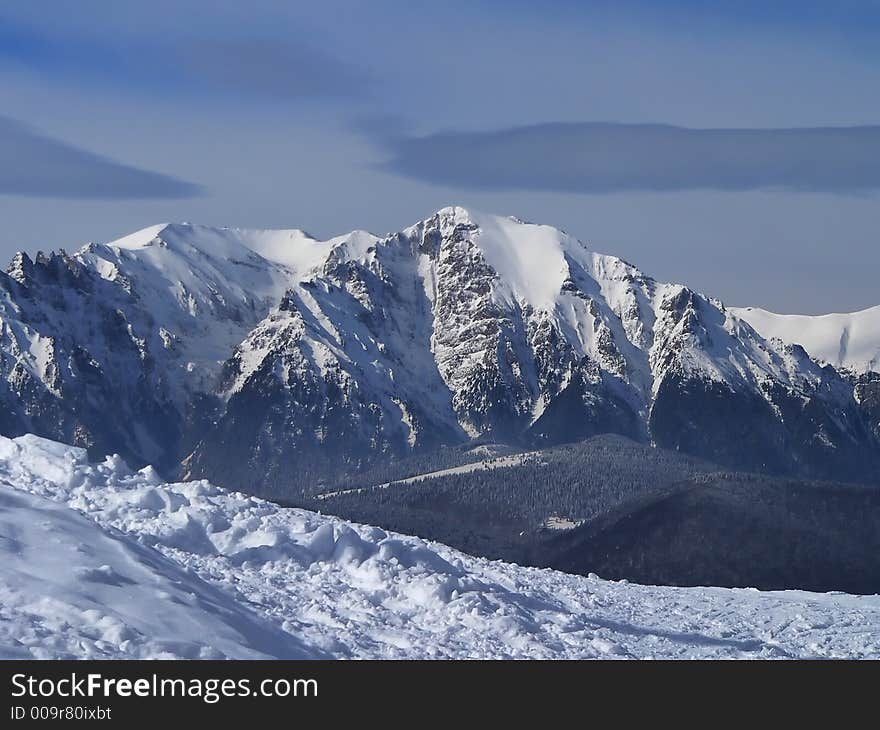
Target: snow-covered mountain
99,561
234,353
850,341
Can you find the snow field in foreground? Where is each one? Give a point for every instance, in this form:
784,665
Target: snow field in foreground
102,561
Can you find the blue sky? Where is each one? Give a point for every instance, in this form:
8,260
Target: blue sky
622,122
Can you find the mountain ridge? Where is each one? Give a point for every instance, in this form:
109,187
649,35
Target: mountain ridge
848,340
220,351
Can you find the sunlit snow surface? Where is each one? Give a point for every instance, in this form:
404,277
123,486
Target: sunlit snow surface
100,561
849,340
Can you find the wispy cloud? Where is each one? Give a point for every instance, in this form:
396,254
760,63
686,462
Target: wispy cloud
270,68
610,157
251,66
34,165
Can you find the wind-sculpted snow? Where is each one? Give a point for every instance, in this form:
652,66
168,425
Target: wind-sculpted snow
135,567
71,589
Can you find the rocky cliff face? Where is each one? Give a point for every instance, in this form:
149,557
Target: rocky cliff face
234,354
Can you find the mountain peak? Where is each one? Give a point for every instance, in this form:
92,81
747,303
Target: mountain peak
455,211
531,260
234,349
292,249
846,340
141,238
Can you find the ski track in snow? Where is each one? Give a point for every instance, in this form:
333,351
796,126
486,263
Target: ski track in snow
499,462
102,561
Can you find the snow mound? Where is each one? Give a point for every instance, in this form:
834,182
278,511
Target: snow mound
189,569
70,589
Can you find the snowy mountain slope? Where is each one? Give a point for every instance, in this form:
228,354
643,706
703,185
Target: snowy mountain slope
229,353
71,589
345,589
499,462
850,341
208,287
626,510
475,326
115,346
